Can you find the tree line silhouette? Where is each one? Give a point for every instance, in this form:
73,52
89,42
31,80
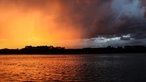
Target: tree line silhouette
63,50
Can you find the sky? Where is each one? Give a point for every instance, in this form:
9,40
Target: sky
72,23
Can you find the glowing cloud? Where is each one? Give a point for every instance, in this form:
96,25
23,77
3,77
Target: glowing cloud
22,25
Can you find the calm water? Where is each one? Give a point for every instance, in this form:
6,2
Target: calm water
57,68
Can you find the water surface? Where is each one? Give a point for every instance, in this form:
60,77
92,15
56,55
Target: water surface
83,68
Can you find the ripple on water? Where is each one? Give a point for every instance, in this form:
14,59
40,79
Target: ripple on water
58,68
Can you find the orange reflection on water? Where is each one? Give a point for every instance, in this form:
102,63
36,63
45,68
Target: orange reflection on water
39,67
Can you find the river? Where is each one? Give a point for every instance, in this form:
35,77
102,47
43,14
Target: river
73,68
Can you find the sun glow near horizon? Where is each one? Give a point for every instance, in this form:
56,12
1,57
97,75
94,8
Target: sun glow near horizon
19,28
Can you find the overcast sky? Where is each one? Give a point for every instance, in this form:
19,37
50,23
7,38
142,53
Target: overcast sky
72,23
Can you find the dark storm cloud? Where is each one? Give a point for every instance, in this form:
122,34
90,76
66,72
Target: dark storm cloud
130,16
112,17
109,17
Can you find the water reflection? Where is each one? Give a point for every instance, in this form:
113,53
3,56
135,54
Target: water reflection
93,68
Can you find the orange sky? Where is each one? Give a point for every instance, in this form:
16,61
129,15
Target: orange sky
22,24
68,23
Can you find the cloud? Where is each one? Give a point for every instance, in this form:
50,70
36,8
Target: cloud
114,41
93,17
129,16
74,19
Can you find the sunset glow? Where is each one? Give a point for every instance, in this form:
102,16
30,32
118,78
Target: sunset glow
22,25
70,23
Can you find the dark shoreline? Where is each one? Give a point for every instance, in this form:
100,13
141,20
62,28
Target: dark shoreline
61,50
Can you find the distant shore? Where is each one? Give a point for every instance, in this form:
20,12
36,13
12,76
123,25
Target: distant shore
62,50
